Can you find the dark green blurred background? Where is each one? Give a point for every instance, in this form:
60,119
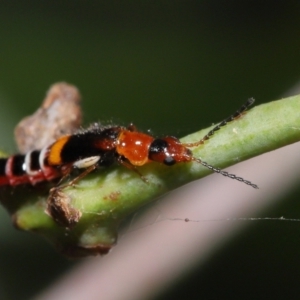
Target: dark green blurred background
169,66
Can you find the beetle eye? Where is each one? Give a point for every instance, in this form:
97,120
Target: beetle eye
158,146
169,161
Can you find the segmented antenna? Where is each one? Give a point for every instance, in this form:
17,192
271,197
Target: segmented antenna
224,173
236,115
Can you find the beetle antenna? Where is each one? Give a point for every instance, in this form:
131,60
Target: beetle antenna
224,173
232,117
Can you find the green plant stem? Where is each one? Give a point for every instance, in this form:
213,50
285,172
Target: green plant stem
106,197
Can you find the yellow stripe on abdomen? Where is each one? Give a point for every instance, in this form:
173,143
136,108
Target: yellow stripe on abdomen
54,157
